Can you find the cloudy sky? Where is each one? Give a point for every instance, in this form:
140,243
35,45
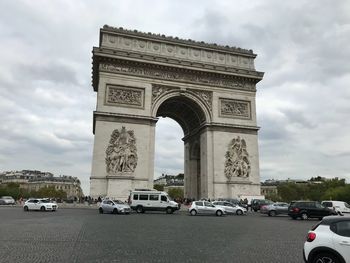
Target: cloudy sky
303,102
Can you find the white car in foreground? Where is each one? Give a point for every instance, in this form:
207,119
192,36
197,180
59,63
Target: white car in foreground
329,241
205,208
114,207
40,204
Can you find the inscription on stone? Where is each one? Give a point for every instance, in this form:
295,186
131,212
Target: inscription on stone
235,108
119,95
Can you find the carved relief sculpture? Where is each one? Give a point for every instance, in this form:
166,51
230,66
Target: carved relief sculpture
205,96
159,90
237,162
235,108
121,153
124,96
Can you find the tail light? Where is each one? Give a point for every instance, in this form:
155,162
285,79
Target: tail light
311,236
296,209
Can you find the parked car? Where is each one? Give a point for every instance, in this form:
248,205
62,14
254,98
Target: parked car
114,206
40,204
309,209
152,200
328,241
257,203
339,206
205,208
230,208
275,209
7,200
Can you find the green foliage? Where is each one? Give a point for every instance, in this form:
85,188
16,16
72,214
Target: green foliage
334,189
159,187
176,193
16,192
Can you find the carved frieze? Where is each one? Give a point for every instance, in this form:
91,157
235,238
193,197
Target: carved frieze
235,108
121,153
176,50
167,73
237,162
159,90
124,96
205,96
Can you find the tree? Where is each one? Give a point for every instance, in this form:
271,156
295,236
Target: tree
176,193
159,187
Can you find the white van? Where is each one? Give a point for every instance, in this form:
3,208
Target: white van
338,206
152,200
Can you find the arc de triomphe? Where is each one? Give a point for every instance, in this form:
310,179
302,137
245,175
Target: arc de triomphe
208,89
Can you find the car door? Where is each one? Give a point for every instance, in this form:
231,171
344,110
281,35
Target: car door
282,208
230,208
209,208
200,207
341,238
35,205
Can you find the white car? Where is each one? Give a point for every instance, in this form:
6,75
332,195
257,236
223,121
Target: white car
339,206
205,208
231,208
40,204
114,207
7,200
329,241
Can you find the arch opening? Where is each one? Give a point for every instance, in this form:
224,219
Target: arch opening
190,116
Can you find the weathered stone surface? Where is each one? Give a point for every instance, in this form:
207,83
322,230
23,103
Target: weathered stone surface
209,90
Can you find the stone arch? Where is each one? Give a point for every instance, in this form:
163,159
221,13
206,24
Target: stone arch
184,108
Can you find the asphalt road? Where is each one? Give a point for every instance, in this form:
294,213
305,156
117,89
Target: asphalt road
83,235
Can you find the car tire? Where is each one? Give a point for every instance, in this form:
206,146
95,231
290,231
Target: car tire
294,217
193,212
169,210
139,209
115,211
219,213
304,216
100,210
26,208
239,212
325,257
272,213
42,208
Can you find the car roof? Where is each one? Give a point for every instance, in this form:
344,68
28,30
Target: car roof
334,219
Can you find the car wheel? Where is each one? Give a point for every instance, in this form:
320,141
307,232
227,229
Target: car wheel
294,217
325,258
272,213
239,212
139,209
193,212
169,210
115,211
26,208
42,208
304,216
100,210
219,213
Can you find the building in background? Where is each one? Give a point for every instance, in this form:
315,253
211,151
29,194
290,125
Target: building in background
33,180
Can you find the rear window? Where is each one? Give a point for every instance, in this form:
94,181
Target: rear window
327,204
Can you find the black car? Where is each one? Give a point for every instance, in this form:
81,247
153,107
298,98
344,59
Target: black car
309,209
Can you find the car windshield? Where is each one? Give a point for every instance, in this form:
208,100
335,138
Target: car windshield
169,198
118,202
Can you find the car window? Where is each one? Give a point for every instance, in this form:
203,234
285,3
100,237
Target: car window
347,205
163,198
153,197
327,204
228,204
343,228
109,202
136,197
318,205
143,197
208,204
199,203
105,202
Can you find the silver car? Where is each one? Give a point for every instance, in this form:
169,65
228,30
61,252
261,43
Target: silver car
231,208
7,200
205,208
275,209
114,207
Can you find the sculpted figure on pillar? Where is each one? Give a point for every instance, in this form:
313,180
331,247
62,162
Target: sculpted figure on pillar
121,153
237,162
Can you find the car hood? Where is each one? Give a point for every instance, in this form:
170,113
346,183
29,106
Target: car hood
123,206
